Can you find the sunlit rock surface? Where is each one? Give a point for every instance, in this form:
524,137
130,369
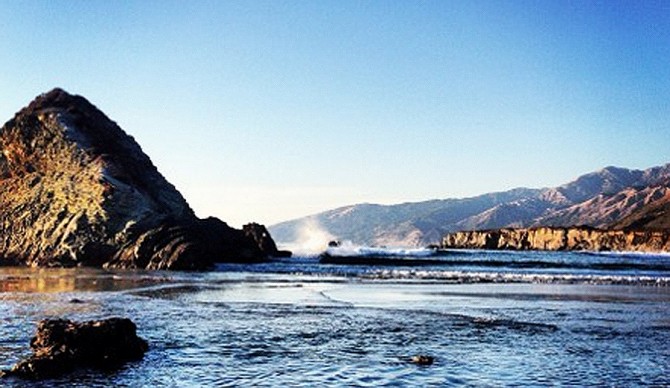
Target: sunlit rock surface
561,239
75,189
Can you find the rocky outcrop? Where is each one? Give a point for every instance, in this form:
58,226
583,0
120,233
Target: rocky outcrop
260,235
75,189
60,346
190,245
561,239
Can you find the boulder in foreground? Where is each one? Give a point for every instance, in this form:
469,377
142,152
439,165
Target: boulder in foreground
60,346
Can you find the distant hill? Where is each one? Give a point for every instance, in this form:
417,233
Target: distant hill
609,198
655,215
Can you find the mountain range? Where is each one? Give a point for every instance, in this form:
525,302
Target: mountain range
611,198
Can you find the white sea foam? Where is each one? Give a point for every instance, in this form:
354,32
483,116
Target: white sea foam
312,238
645,255
501,277
347,248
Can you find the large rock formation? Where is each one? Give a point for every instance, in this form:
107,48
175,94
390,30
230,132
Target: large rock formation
561,239
75,189
60,346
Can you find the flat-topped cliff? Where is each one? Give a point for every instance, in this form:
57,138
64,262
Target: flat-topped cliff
75,189
561,239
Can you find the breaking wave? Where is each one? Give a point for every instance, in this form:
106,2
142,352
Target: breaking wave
349,249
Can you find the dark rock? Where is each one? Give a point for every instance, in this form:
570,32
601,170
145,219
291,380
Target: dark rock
283,253
60,346
261,237
76,190
422,359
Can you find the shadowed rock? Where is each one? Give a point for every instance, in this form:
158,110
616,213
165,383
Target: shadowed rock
60,346
75,189
263,239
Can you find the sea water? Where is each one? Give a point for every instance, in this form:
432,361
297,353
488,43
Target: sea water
487,318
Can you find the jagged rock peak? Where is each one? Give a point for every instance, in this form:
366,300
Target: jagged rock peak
58,98
75,189
78,121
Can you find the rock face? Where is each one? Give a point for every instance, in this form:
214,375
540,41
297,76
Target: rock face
561,239
60,346
75,189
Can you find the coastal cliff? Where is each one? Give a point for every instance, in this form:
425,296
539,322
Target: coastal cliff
76,190
561,239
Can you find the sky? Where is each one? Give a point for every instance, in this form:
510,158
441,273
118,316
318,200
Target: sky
268,111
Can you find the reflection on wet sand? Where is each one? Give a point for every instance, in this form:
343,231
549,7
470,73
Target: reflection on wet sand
18,279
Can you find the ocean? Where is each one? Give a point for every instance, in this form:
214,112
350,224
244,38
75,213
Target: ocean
488,318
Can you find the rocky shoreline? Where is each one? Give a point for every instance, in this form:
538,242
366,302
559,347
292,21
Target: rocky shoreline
560,239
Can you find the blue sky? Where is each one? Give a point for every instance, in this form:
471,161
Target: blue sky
268,111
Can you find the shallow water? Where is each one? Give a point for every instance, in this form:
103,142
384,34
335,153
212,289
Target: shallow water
299,323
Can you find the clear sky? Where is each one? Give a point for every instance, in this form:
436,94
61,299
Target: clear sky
269,111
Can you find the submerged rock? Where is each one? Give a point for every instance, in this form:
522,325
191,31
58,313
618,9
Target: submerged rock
422,359
60,346
75,189
334,244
